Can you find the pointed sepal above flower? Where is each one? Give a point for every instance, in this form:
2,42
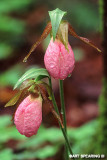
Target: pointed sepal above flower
85,40
14,100
56,17
62,33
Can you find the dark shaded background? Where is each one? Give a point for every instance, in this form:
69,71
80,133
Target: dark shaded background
21,24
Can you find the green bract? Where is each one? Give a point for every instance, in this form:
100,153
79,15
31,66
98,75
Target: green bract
56,17
35,73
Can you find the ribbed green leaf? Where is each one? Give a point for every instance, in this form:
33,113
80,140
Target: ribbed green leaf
56,17
32,73
26,84
40,77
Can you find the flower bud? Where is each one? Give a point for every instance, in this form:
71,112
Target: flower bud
58,61
28,116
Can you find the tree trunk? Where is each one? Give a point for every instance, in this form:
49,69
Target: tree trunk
105,37
102,147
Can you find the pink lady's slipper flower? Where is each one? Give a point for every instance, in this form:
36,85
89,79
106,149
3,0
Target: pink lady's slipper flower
59,57
58,60
28,116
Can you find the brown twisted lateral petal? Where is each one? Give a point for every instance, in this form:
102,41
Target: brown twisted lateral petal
51,107
43,36
85,40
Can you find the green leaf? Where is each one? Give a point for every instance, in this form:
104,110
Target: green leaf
56,17
47,151
6,154
26,84
7,133
14,100
32,73
42,153
40,77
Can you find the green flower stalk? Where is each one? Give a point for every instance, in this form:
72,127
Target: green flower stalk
59,62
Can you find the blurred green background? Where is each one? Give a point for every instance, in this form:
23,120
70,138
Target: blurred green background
21,24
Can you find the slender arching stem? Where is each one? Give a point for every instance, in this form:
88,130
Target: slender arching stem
62,103
63,113
63,130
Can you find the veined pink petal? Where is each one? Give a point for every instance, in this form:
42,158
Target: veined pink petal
58,61
28,116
